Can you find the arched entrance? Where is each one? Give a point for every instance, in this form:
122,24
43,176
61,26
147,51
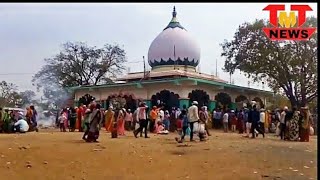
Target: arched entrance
259,102
241,100
167,98
199,95
131,102
223,100
127,101
86,99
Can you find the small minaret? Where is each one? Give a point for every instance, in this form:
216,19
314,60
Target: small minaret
174,21
174,15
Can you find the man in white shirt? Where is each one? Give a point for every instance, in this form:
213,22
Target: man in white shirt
135,119
177,113
142,116
21,125
282,122
262,119
193,116
161,113
225,121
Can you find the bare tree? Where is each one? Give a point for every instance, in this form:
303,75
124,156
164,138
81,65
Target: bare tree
80,64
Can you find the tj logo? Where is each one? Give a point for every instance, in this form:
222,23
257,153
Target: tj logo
289,28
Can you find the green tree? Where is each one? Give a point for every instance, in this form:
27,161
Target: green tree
279,101
289,67
8,94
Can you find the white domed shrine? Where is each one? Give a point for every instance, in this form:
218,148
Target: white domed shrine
174,46
173,79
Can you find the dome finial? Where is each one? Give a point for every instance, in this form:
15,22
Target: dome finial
174,13
174,21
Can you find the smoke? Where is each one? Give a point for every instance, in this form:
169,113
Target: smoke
45,118
56,95
57,98
54,99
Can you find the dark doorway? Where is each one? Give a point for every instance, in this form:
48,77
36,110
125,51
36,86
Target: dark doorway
199,95
259,102
240,100
167,98
122,101
86,99
223,100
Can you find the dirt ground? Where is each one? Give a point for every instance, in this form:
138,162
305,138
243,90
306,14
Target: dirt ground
54,155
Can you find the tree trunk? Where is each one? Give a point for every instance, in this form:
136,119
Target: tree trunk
293,102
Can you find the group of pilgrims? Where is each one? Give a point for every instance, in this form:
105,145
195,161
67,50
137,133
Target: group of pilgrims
250,121
290,125
12,121
158,120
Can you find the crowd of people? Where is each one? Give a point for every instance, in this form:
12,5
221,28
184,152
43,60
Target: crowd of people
90,119
250,121
294,125
12,121
291,125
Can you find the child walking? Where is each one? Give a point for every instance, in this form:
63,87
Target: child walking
62,119
182,125
233,121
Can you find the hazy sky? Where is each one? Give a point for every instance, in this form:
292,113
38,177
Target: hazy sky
31,32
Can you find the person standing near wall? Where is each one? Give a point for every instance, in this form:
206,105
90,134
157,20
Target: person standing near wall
282,122
153,117
262,120
225,121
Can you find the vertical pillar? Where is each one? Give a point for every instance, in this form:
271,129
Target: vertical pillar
212,105
184,102
102,104
233,105
105,104
76,103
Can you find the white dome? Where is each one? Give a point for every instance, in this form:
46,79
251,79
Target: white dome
174,46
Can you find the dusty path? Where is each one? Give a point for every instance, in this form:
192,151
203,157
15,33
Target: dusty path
63,156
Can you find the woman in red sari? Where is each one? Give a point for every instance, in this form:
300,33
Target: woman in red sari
79,118
305,124
120,122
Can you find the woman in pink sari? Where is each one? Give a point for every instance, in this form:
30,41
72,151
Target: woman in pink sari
65,112
120,122
160,118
